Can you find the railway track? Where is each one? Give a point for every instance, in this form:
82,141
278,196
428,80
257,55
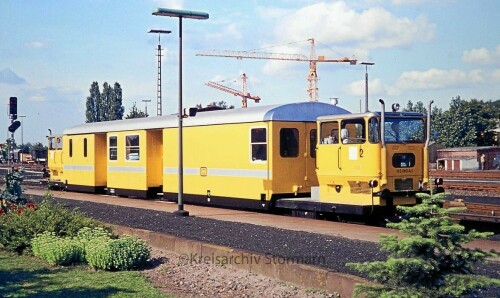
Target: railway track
477,191
480,181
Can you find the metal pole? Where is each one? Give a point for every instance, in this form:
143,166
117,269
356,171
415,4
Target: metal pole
146,105
366,88
180,210
366,64
22,130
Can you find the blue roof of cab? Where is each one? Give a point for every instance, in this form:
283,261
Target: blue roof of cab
291,112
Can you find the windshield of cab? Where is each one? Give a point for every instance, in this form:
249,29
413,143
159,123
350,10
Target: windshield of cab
404,130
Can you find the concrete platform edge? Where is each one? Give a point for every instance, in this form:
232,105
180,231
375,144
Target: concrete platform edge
191,251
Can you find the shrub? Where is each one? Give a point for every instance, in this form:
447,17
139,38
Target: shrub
117,254
17,230
86,236
57,250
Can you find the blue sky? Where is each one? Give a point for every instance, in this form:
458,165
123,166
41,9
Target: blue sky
51,51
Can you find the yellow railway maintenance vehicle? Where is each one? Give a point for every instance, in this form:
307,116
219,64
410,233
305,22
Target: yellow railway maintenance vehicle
367,164
236,157
312,158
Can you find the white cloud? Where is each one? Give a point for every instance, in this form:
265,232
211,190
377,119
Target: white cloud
36,45
431,79
271,12
7,76
230,32
476,76
340,25
375,88
174,4
482,56
351,33
495,76
404,2
53,94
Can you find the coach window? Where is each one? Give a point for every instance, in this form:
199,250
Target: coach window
113,148
258,143
132,147
85,147
289,142
353,131
329,132
70,147
373,130
312,143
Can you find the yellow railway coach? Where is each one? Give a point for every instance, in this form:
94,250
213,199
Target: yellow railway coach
238,157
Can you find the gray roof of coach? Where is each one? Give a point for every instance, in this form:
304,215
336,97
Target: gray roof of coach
371,114
295,112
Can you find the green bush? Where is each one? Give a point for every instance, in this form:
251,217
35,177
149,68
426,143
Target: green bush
117,254
57,250
17,230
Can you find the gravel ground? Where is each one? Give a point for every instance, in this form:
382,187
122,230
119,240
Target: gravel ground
199,279
170,274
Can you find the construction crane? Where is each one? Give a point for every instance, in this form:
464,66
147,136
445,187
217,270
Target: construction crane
244,94
312,78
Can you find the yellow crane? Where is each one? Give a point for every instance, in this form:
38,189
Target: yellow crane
312,78
244,94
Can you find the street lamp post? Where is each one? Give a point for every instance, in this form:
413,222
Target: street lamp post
189,15
22,130
366,83
145,101
158,82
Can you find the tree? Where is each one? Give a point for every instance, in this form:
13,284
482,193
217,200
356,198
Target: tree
136,113
221,104
418,107
467,123
104,106
431,261
93,103
116,109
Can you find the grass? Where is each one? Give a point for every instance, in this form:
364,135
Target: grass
24,276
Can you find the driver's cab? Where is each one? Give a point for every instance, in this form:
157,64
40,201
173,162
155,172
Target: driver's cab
344,140
55,157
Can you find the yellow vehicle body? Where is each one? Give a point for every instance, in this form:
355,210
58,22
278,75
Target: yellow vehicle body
363,175
55,159
220,169
134,169
237,157
82,166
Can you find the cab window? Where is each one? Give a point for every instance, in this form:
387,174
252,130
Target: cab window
404,130
353,131
329,132
258,144
373,130
132,147
289,142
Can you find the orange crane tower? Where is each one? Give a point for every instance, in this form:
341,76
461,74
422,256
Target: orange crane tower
312,78
244,94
